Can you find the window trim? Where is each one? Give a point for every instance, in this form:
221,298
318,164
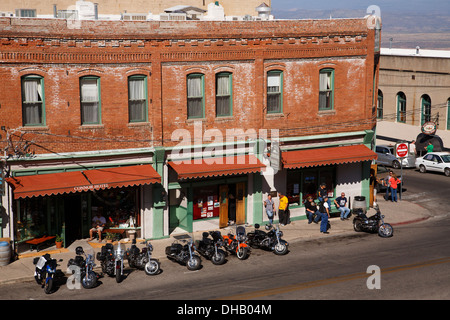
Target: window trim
43,113
202,77
280,93
138,77
327,70
99,109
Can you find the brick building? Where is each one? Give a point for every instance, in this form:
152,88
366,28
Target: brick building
189,112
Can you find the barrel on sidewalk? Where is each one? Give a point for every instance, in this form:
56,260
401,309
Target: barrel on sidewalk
5,253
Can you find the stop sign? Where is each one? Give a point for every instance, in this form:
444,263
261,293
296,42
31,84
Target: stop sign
402,150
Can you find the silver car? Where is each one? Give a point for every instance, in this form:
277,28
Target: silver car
386,156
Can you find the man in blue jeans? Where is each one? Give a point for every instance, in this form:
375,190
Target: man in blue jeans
341,204
324,210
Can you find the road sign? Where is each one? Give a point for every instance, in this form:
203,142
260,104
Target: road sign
401,150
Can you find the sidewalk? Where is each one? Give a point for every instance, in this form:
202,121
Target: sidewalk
403,212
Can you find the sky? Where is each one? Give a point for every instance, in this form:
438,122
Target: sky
389,5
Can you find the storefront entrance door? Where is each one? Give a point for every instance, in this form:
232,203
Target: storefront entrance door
240,203
223,209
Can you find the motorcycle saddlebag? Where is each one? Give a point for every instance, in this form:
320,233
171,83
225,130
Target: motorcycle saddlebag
175,248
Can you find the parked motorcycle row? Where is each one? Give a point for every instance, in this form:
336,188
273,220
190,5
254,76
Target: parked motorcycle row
213,246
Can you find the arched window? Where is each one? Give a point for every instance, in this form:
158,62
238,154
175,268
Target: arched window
33,101
195,96
426,108
380,105
401,107
90,100
224,94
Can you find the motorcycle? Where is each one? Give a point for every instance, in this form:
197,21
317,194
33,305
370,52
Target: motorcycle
44,272
374,224
210,248
237,244
270,240
143,259
107,260
119,253
86,264
184,254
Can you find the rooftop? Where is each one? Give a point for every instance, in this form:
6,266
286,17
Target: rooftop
416,52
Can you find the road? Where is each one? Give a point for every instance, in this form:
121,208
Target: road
414,264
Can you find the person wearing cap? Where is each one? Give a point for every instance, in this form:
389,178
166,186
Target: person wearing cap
324,210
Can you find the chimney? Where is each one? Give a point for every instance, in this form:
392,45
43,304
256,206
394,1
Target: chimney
417,49
55,11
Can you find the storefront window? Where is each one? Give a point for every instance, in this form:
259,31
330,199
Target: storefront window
206,202
304,183
118,206
32,218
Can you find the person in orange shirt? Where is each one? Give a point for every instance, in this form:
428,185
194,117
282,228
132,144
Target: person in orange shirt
393,182
282,209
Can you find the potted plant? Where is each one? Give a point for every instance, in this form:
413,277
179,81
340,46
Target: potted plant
109,237
59,241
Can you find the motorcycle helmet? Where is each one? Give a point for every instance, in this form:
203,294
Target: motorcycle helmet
268,227
79,250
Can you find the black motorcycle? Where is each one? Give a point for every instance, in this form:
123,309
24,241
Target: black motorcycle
107,260
44,272
86,264
142,259
373,224
185,254
210,248
270,240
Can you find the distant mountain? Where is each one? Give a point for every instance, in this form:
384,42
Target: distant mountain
428,29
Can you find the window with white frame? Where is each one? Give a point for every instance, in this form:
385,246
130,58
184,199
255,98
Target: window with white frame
326,89
90,100
275,91
33,108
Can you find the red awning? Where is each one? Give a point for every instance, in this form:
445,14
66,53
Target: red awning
217,166
78,181
326,156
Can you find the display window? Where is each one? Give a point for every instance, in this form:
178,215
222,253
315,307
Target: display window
206,202
302,183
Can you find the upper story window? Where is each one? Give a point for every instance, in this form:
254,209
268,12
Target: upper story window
195,96
33,101
137,98
90,100
380,105
326,89
275,91
224,94
401,107
426,108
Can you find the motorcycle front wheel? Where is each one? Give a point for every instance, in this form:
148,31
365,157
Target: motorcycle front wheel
152,267
385,230
218,258
281,248
48,286
242,253
194,263
88,281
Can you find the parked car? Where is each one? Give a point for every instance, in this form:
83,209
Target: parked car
386,156
434,161
382,174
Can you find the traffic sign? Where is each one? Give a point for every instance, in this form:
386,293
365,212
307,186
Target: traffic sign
402,150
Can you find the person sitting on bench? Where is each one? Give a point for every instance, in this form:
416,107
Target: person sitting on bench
98,224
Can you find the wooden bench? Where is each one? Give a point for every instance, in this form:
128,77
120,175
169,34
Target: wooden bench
38,243
118,233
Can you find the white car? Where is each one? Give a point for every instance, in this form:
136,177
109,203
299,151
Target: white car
434,161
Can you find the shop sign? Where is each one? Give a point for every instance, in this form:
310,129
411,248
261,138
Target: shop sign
91,187
429,128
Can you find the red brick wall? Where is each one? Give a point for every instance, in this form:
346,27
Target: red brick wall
166,53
